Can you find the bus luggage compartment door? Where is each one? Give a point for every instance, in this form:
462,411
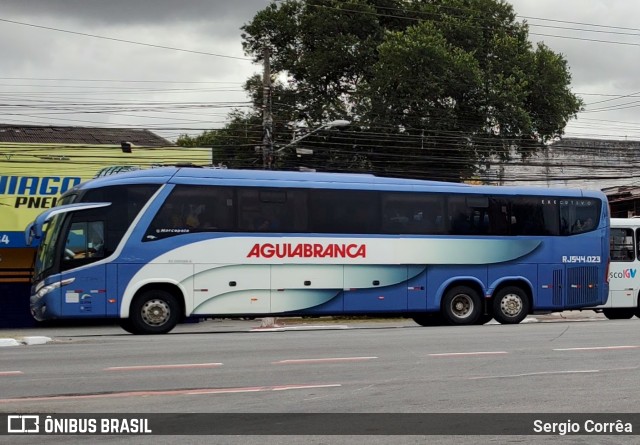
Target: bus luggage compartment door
297,287
583,286
550,287
375,288
228,289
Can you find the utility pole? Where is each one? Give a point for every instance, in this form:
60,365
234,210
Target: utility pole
267,118
267,141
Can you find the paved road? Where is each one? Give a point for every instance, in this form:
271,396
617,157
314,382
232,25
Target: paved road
226,325
377,367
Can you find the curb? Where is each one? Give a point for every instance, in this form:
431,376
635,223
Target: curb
28,341
299,328
17,338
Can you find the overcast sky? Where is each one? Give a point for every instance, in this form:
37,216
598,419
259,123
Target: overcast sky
47,75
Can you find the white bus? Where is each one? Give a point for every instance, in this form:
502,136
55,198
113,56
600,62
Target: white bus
624,271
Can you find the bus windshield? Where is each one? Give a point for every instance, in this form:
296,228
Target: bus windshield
45,256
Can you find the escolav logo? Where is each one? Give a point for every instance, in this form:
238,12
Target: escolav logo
625,273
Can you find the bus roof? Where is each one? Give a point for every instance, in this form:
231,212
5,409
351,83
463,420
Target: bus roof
275,178
625,222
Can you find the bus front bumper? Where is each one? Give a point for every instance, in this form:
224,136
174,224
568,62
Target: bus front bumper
38,307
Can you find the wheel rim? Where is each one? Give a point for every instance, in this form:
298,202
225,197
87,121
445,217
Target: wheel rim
461,306
511,305
156,312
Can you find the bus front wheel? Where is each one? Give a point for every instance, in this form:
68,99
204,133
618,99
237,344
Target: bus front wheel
619,313
153,312
462,305
125,323
510,305
429,319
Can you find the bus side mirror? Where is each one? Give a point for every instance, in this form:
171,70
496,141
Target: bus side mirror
30,234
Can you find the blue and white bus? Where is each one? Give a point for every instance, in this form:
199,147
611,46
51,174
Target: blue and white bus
154,246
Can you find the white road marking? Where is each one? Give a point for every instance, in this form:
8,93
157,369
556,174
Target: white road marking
147,367
174,392
322,360
10,373
598,348
262,388
462,354
529,374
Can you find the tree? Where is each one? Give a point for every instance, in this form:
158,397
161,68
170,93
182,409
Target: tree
234,145
239,143
438,87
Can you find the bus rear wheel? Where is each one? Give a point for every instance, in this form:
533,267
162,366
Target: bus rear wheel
461,305
510,305
619,313
484,319
153,312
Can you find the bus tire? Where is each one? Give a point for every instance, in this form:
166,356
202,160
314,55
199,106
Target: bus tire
429,319
619,313
511,305
125,323
154,312
484,319
461,305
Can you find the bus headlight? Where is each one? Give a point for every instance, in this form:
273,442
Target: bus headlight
48,288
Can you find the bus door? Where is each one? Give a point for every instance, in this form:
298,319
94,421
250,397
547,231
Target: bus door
623,271
80,260
417,288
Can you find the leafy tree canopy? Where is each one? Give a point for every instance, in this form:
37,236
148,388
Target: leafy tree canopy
435,88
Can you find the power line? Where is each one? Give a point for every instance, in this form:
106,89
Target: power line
585,39
123,40
116,111
595,25
116,80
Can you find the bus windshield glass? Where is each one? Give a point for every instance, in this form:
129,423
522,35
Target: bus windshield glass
46,251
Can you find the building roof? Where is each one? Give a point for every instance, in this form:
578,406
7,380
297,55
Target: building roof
571,163
36,134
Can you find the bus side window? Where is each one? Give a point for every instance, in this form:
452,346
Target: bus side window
578,215
95,246
75,246
622,245
85,240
